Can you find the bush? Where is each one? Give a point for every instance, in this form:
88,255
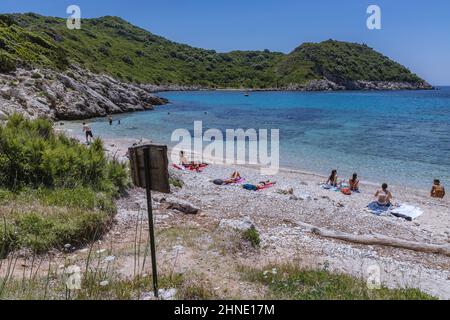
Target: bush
31,154
252,235
36,75
57,190
40,232
127,60
290,282
7,64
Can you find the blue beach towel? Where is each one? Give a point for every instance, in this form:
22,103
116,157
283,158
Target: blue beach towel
378,210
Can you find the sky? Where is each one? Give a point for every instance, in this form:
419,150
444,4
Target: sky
414,33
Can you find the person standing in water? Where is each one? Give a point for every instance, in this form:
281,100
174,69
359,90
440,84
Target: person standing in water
437,191
110,119
88,131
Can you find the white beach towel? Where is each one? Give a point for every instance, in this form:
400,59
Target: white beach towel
407,211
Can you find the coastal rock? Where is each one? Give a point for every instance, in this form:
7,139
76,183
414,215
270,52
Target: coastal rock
76,94
181,205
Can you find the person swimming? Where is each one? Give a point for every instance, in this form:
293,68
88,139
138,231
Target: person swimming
437,191
333,179
354,182
384,196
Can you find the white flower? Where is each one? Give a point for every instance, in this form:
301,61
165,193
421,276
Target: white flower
104,283
274,271
109,259
72,269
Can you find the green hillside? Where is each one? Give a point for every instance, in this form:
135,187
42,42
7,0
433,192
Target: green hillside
113,46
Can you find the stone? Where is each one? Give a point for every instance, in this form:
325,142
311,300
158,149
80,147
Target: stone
241,225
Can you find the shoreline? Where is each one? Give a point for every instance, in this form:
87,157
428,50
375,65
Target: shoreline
217,161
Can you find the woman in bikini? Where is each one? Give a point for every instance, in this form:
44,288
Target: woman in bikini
384,196
333,179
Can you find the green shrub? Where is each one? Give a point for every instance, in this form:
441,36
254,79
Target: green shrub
58,190
40,232
7,64
31,154
290,282
252,235
7,239
36,75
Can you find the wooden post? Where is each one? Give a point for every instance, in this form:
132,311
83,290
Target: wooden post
148,179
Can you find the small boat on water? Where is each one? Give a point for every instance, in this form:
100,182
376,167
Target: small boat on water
246,94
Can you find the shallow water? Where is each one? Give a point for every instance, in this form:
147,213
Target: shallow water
400,137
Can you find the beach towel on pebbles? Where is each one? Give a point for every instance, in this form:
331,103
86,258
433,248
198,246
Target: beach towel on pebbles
407,211
404,211
378,210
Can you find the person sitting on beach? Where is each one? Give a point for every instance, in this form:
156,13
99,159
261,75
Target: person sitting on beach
354,183
88,131
183,160
437,191
384,196
333,179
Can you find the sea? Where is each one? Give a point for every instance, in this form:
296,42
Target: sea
397,137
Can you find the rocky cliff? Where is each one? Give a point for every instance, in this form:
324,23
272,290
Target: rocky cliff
75,94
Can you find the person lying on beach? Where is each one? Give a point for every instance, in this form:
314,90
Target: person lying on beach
384,196
354,183
260,186
264,185
333,179
437,191
235,178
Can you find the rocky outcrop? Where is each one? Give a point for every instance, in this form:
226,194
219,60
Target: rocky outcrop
386,85
76,94
328,85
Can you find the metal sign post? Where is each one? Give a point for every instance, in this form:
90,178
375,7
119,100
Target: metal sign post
149,170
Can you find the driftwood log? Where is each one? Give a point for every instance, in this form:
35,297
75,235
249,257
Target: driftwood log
180,205
380,240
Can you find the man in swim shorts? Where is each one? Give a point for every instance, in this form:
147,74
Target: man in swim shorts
88,131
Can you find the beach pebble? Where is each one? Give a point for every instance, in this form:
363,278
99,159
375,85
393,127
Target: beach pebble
241,225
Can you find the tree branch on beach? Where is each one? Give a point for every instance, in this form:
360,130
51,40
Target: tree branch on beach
377,239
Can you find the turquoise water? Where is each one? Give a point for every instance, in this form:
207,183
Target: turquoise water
398,137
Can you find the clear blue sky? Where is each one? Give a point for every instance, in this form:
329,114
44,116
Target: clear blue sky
415,33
